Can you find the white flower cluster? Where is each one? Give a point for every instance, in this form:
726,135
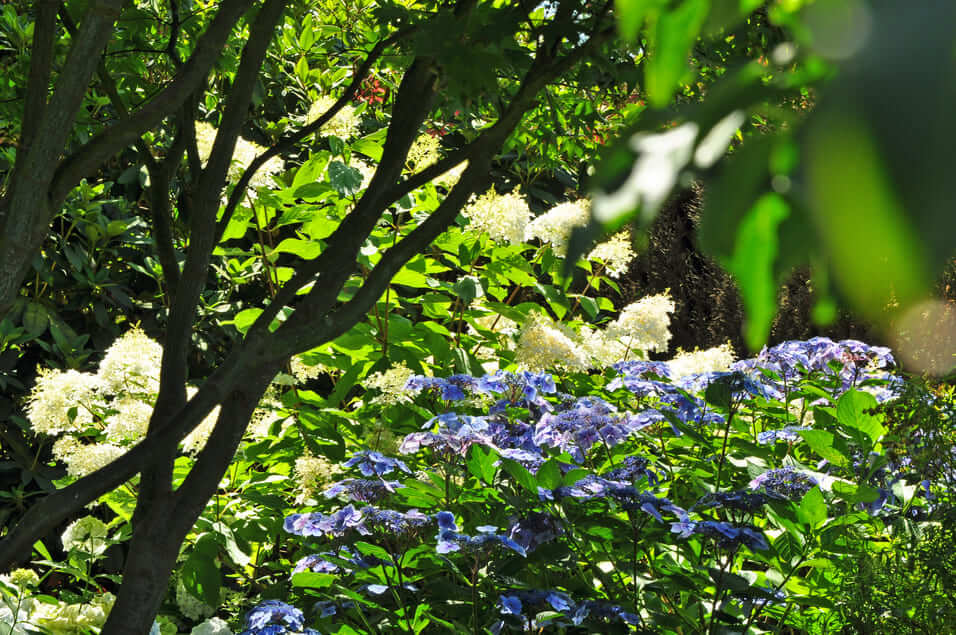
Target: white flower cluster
88,535
616,254
504,217
112,406
390,383
450,178
312,475
196,440
716,359
212,626
544,344
644,325
343,125
191,606
62,618
243,155
641,327
554,226
423,153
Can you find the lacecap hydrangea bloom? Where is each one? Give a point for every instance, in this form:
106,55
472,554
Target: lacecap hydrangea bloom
72,619
503,217
555,226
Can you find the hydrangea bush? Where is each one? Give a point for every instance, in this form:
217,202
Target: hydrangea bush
642,499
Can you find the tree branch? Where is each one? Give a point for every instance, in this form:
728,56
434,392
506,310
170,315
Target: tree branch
41,61
116,137
174,372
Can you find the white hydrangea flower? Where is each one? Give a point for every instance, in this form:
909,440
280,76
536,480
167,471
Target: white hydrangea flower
343,125
73,619
616,254
544,344
716,359
644,325
266,413
391,384
600,348
367,171
304,372
503,217
554,226
423,153
24,578
312,474
55,393
243,155
87,535
191,607
130,422
87,458
212,626
132,364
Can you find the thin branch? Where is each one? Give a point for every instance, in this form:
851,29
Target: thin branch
192,75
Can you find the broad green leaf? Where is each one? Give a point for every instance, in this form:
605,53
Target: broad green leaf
753,265
549,474
521,475
812,509
305,249
245,318
345,179
851,412
312,580
821,442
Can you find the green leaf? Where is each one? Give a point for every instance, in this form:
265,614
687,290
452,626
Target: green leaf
630,16
853,493
312,580
852,410
345,179
245,319
812,509
305,249
200,575
549,474
752,265
821,442
674,35
521,475
311,171
481,463
35,319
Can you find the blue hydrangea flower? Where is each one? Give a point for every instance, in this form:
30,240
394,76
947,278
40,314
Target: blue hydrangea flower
790,434
784,482
742,501
363,490
274,613
725,534
371,463
451,388
450,540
